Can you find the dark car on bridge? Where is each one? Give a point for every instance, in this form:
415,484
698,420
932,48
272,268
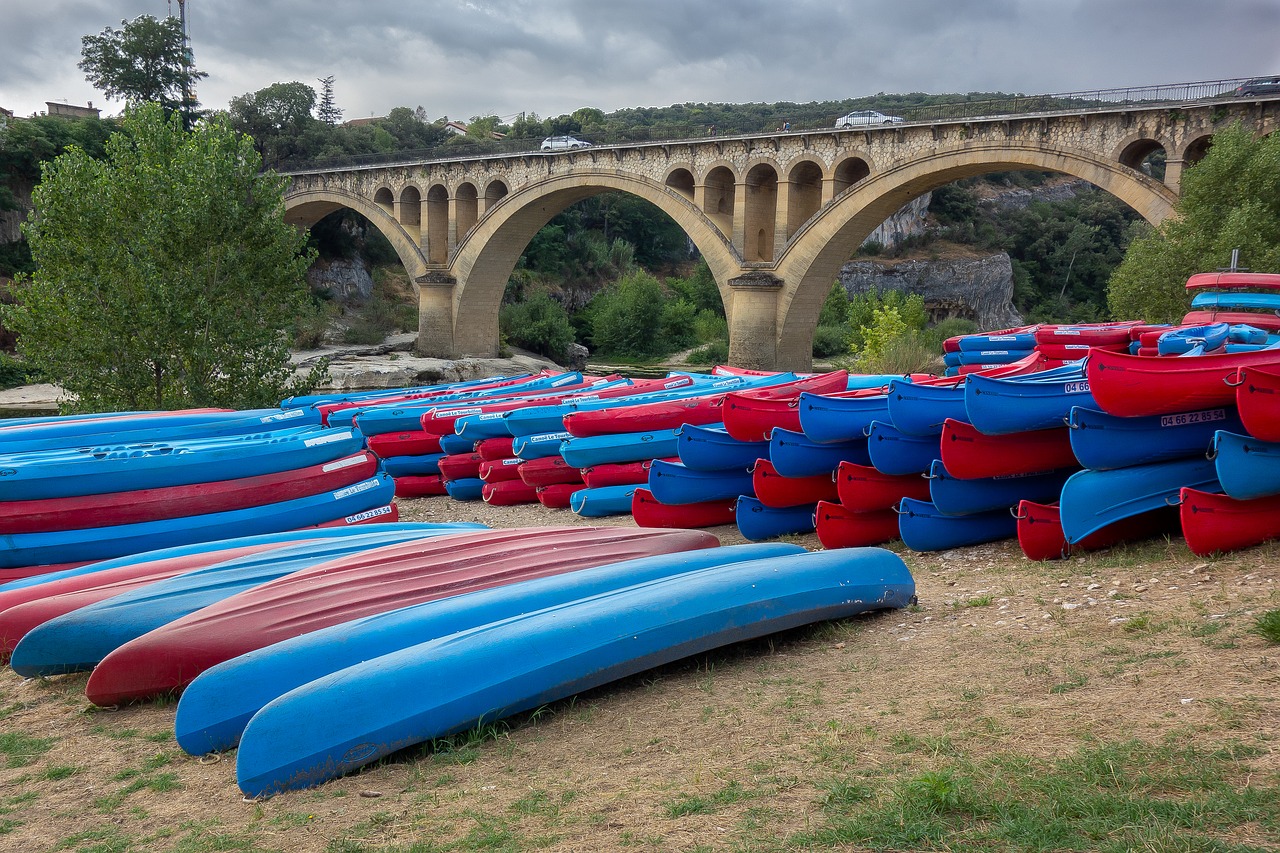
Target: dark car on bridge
1259,86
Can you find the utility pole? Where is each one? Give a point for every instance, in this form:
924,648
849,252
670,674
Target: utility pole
187,63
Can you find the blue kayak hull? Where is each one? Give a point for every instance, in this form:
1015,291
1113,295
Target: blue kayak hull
619,447
921,409
923,528
758,522
892,452
708,448
431,690
1001,406
602,501
673,483
1091,500
794,454
1245,466
953,496
1103,442
465,488
831,419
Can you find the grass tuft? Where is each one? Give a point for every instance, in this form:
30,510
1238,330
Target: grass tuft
1267,626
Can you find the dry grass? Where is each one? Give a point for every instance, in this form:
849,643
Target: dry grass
771,745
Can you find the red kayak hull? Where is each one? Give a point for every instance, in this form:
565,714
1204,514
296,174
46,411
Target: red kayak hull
102,510
969,455
412,443
556,495
1258,399
359,585
775,490
752,415
420,486
617,474
508,493
549,471
1088,334
1212,523
862,488
1268,322
647,512
496,448
1130,385
840,527
1264,280
500,470
1041,538
663,414
460,466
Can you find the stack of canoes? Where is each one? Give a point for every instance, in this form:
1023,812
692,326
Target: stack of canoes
79,489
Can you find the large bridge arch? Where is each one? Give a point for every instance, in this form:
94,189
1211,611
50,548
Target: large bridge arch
813,258
486,257
308,207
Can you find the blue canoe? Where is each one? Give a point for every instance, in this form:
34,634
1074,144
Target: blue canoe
33,476
921,409
953,496
215,708
923,528
1021,404
413,466
1245,466
431,690
405,416
619,447
828,419
758,522
79,429
1020,341
78,640
711,448
373,396
451,443
1182,340
103,543
465,488
602,501
893,452
674,483
1237,301
1091,500
1103,442
539,445
794,454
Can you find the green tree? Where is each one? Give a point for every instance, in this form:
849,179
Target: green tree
627,317
1230,200
276,117
166,273
145,61
327,110
538,324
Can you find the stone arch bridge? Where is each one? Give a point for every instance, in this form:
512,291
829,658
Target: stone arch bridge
775,215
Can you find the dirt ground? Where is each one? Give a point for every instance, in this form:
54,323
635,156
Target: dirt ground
1001,655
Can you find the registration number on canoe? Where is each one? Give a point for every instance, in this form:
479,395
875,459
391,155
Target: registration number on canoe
1075,387
1187,418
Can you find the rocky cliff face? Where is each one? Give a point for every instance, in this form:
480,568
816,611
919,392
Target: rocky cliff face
347,280
977,289
910,220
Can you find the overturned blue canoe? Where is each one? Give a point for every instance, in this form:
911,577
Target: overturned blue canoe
403,416
1091,500
1024,341
896,453
825,418
1245,466
432,690
413,466
1020,404
465,488
1103,442
758,522
794,454
922,409
452,444
923,528
710,448
953,496
215,708
675,483
619,447
602,501
537,446
78,640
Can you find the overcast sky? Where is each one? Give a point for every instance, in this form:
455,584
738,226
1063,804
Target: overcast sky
462,58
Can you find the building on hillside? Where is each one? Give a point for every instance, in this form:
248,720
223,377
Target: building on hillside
457,128
71,110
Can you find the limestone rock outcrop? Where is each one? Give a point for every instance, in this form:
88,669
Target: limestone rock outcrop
977,289
347,280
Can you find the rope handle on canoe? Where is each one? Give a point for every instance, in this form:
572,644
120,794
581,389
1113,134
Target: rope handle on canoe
929,475
1013,510
1176,500
1239,379
793,404
1067,420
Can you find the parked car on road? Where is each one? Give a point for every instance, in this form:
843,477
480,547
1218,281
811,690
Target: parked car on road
563,143
1259,86
860,118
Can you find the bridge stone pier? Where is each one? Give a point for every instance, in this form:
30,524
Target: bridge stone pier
775,215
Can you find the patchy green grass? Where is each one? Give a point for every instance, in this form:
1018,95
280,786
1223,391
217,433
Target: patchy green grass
690,804
1267,626
20,750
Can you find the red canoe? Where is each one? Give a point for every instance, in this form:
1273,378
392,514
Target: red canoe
752,415
379,515
549,471
1218,523
1040,531
361,585
862,488
496,448
499,470
1075,352
460,466
556,495
661,414
969,455
1258,399
1088,334
1264,280
417,442
840,527
648,512
420,486
617,474
508,492
775,490
333,412
86,511
1131,385
1269,322
16,573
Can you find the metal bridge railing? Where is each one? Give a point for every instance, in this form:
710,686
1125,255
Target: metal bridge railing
955,110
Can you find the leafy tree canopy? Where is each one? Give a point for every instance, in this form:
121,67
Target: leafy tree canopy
276,117
145,61
190,310
1230,200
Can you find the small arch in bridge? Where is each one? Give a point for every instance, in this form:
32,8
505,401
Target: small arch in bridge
1196,150
1138,154
719,198
495,192
804,194
437,247
761,213
411,212
849,172
681,180
384,199
466,207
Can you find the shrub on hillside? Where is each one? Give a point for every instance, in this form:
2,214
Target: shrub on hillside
538,324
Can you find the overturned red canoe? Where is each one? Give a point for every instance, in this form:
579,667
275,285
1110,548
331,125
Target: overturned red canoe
557,495
460,466
1258,399
648,512
1264,280
500,470
971,455
752,415
496,448
661,414
862,488
411,443
1130,385
775,490
548,471
508,493
103,510
364,584
1087,334
840,527
1269,322
617,474
1212,523
420,486
1041,538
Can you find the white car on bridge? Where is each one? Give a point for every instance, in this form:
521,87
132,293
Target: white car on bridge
862,118
563,143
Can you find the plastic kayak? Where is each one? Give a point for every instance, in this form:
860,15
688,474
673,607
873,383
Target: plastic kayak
508,493
557,495
1268,322
539,445
953,496
618,473
602,501
648,511
751,415
1246,466
549,471
758,522
1102,441
408,443
980,340
892,452
430,690
1213,522
1131,385
1091,500
923,528
424,486
500,470
661,414
1264,280
794,454
840,527
920,409
969,454
710,449
998,406
776,490
493,449
862,488
414,466
465,489
673,483
1041,538
1258,402
844,416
